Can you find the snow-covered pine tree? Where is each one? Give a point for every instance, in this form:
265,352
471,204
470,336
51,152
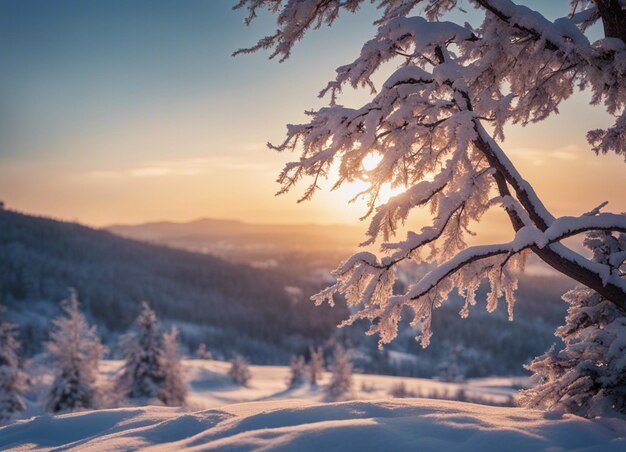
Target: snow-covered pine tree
12,378
316,365
450,368
75,352
174,390
400,391
449,371
142,376
203,353
340,385
434,125
588,376
297,371
239,371
428,126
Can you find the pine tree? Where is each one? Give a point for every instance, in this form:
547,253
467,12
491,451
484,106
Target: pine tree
587,377
75,351
240,371
400,391
203,353
174,390
316,365
449,368
12,379
340,385
297,371
143,376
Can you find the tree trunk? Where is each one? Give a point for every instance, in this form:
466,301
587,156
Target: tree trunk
613,18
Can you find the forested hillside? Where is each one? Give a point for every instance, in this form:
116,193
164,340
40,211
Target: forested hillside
485,344
235,308
232,307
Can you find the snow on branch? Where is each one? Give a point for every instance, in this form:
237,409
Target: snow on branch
366,282
295,18
416,118
410,37
541,61
612,139
544,61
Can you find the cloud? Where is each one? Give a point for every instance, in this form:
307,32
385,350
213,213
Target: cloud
540,156
182,167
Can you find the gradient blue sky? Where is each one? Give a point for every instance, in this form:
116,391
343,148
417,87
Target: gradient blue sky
130,111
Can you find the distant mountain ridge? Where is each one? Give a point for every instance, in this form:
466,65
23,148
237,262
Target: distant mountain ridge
292,235
201,225
296,249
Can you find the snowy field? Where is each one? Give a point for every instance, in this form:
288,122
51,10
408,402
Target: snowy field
210,387
265,415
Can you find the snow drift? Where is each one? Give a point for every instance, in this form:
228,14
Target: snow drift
407,424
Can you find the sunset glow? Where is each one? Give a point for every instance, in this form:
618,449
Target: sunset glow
313,225
116,150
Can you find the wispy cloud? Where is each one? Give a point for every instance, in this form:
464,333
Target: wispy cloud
181,167
541,156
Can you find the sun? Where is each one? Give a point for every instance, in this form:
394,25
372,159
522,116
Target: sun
350,190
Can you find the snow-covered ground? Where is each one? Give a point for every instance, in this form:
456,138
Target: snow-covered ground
267,415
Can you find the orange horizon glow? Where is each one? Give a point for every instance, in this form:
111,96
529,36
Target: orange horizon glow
168,127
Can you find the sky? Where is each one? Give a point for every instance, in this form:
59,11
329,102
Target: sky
133,111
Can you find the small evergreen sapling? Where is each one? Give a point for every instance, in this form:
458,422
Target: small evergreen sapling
316,366
75,351
400,391
450,366
297,371
240,371
143,376
340,385
12,379
203,353
174,390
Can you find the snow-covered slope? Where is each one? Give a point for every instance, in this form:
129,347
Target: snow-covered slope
408,424
266,414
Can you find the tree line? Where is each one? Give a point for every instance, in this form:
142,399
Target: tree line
152,371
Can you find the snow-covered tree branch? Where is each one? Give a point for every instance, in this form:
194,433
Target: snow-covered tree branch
435,124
